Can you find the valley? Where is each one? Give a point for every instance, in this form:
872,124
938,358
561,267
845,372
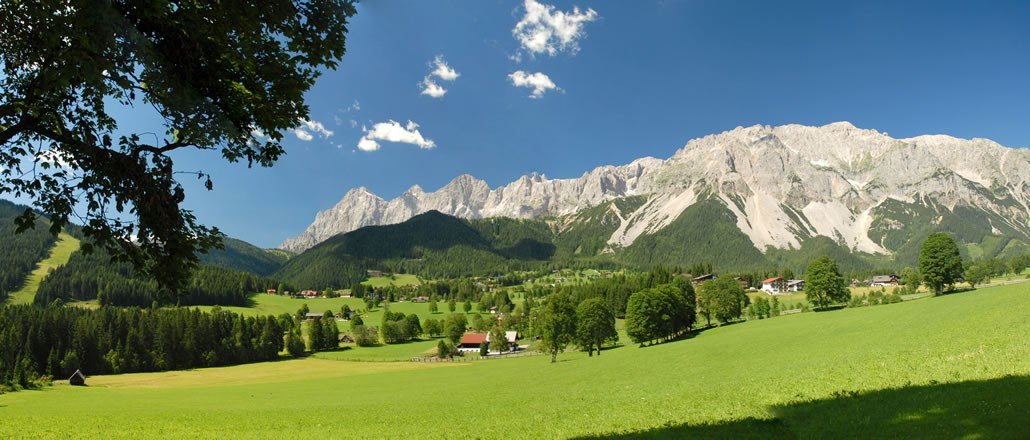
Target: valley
943,366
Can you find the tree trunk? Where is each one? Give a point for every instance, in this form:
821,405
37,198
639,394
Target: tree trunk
554,356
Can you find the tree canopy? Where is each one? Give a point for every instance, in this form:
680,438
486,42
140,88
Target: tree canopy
824,283
939,261
722,299
595,325
557,323
227,76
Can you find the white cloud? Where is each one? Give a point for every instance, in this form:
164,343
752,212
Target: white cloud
308,129
539,82
355,106
432,89
441,70
392,131
546,30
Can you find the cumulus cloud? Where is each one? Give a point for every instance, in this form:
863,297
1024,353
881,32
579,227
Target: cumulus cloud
539,82
393,131
441,70
432,89
545,30
309,129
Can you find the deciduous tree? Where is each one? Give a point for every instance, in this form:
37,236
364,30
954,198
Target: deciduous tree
939,261
595,325
824,283
556,324
224,76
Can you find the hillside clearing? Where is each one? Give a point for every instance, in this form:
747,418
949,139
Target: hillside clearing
59,256
953,366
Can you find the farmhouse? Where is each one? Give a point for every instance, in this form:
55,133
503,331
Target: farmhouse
774,285
795,285
885,280
271,291
313,315
309,293
472,341
511,336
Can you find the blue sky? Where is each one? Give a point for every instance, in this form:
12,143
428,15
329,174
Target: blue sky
636,79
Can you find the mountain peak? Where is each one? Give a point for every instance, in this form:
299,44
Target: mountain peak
782,184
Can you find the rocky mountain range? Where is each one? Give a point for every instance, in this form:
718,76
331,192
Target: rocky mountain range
784,185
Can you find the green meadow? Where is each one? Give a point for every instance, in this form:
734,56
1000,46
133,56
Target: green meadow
393,280
956,366
59,256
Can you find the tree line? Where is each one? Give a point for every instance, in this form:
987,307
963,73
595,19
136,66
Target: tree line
54,341
95,276
19,252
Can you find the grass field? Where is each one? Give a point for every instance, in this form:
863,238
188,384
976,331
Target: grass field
956,366
393,280
59,255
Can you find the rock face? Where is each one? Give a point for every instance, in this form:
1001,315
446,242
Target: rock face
782,183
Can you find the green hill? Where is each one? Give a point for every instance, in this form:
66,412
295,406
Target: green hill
245,257
20,252
432,245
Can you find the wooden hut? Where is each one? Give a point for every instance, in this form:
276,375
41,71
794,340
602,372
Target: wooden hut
77,379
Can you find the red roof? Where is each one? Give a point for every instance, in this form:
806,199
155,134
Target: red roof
473,338
771,280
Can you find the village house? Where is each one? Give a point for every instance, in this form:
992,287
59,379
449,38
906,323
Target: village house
309,293
774,285
703,278
795,285
511,336
271,291
470,342
885,280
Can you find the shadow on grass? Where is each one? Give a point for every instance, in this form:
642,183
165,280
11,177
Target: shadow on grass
997,408
689,335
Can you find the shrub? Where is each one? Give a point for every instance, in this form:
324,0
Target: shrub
366,336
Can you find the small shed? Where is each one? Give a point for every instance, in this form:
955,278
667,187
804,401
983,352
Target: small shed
77,379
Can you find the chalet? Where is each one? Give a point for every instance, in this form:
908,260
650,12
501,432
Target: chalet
744,283
271,291
309,293
703,278
795,285
472,341
774,285
421,299
885,280
346,339
77,379
313,315
511,336
374,273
